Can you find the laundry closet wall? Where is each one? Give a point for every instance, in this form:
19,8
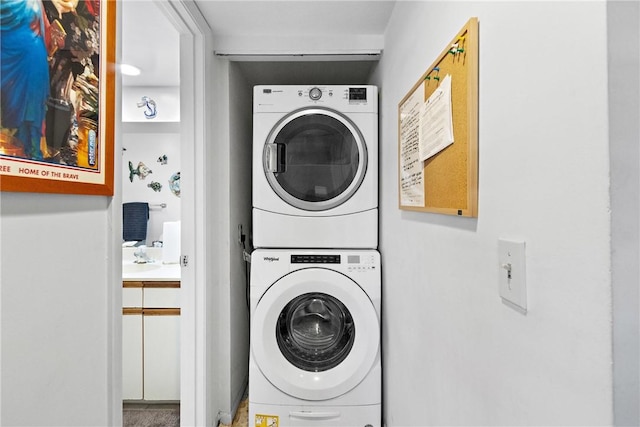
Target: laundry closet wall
544,148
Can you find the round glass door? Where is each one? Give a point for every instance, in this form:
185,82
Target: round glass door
315,159
315,332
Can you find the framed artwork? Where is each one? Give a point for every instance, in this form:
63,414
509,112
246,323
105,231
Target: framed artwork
57,60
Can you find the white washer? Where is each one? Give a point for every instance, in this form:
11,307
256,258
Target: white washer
315,338
315,167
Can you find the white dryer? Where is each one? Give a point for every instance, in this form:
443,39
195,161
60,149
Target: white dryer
315,167
315,338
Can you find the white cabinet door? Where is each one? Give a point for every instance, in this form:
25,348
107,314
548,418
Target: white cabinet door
162,355
132,357
162,297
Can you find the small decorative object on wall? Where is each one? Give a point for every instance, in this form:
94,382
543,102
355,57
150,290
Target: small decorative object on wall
58,96
155,186
150,112
174,184
142,171
162,159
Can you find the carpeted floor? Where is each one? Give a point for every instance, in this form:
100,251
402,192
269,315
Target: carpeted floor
151,415
168,415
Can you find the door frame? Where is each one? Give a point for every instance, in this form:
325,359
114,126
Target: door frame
195,377
199,399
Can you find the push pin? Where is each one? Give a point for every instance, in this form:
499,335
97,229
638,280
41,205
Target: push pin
455,49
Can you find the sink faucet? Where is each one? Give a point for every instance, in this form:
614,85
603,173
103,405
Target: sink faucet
141,255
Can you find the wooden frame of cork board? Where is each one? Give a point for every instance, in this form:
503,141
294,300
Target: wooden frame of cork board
446,183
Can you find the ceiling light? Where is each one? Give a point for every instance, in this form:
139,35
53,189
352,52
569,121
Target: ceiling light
129,70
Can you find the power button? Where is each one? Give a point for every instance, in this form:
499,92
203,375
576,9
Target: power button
315,94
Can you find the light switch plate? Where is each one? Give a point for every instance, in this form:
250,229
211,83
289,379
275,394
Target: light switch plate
512,273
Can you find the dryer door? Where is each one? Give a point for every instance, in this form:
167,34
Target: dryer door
315,334
315,159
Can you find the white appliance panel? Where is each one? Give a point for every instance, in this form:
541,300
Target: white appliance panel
348,394
315,167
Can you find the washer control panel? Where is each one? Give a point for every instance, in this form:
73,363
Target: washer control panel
360,263
315,259
353,263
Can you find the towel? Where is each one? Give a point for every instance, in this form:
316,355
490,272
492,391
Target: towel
134,221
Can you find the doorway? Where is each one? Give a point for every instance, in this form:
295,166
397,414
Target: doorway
151,178
199,398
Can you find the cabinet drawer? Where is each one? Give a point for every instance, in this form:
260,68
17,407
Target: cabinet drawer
162,297
132,297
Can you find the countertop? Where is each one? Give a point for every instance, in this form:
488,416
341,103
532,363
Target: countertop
155,270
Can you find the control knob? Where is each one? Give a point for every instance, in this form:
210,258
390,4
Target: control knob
315,94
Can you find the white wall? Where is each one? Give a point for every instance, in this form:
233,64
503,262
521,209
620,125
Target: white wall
219,287
146,145
240,108
56,303
453,353
228,161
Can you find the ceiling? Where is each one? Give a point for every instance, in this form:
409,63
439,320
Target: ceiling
155,48
296,18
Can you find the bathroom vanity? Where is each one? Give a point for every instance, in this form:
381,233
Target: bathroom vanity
150,330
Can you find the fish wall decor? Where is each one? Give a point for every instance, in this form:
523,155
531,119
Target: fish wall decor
142,171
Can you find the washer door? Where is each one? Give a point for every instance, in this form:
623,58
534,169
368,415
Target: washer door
315,334
315,159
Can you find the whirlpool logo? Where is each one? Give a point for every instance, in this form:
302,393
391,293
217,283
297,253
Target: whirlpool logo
271,258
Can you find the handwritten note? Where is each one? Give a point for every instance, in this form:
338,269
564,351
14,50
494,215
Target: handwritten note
411,168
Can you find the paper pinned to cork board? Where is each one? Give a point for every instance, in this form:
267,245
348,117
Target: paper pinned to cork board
436,121
411,168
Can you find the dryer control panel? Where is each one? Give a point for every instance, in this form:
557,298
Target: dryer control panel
343,98
351,94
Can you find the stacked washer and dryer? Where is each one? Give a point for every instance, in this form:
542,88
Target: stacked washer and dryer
315,288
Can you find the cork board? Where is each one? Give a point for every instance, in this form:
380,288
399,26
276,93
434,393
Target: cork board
447,182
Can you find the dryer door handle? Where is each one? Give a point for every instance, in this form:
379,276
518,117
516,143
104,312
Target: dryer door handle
315,415
274,158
